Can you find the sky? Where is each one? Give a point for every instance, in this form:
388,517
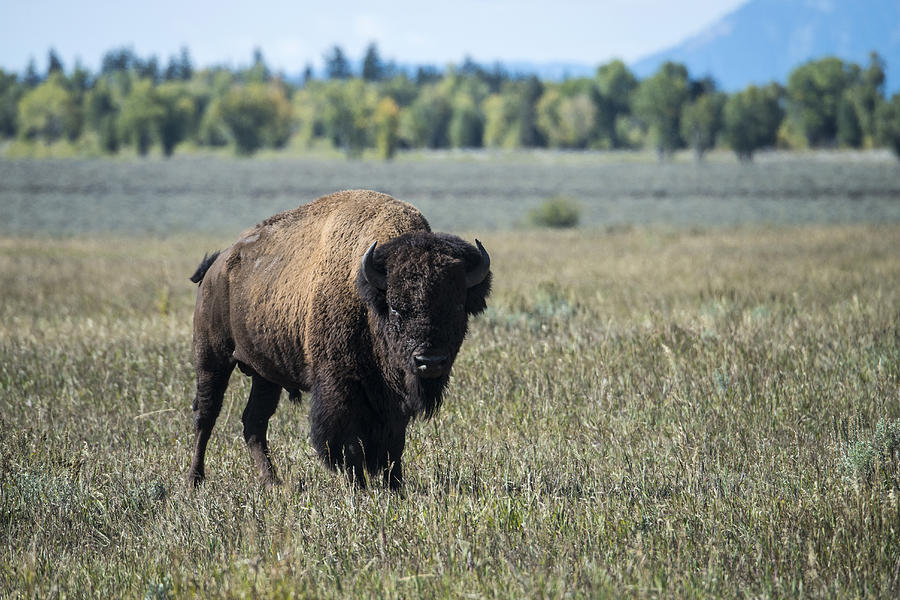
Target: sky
294,34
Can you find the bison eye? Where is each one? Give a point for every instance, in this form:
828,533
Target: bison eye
394,312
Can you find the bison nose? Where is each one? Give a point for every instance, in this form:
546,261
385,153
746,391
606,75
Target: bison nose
431,365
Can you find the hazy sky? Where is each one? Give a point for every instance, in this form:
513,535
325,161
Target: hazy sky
292,34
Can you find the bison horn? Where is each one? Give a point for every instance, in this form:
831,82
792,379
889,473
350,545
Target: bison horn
370,271
477,274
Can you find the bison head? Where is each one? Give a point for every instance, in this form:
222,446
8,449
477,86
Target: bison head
420,289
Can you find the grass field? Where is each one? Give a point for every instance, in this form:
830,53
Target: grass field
457,192
688,410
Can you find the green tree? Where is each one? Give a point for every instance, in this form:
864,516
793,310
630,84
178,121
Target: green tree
401,88
258,72
10,93
866,96
178,118
529,93
180,68
426,122
500,129
372,66
257,115
141,116
566,121
54,63
336,64
511,117
80,81
466,128
701,121
658,102
849,130
49,112
101,114
887,120
213,131
815,91
31,79
616,85
751,119
348,114
386,121
308,106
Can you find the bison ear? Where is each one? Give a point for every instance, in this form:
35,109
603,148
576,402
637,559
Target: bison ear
478,278
476,296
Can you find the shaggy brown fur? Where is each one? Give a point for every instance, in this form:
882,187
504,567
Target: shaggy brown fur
290,304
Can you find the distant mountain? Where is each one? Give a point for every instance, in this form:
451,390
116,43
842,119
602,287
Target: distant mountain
764,40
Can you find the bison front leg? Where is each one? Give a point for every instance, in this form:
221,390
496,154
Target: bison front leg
394,476
261,406
334,428
388,441
211,384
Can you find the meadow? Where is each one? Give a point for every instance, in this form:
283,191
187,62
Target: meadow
694,394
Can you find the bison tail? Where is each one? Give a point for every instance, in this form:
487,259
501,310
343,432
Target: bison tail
205,264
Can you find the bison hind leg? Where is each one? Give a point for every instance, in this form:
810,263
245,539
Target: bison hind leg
211,384
261,405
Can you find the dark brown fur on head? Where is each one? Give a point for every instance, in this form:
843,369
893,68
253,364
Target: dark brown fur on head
423,312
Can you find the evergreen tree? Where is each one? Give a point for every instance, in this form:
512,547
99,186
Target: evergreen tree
372,67
118,60
336,64
80,81
307,73
54,64
31,79
259,71
185,65
180,68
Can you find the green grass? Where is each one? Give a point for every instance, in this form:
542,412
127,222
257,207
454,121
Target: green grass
640,413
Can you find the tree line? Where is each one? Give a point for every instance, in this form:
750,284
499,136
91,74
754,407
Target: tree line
138,103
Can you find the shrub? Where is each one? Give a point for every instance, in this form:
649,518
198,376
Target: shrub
863,457
559,211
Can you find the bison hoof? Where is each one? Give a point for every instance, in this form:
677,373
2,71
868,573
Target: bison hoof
194,479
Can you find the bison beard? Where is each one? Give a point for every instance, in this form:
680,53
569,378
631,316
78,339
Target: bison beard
298,303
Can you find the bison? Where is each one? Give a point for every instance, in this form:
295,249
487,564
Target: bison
352,298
